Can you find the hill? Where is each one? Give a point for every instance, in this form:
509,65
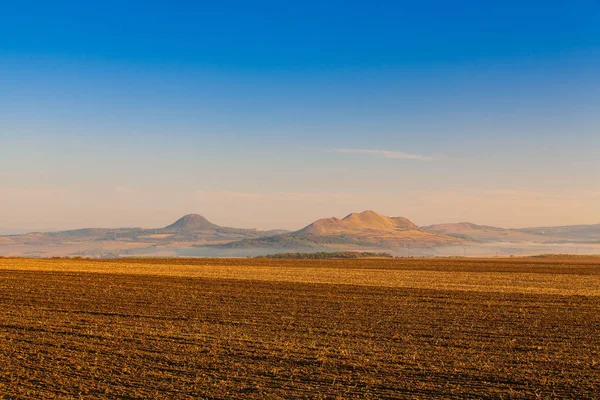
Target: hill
358,222
191,223
483,233
356,230
190,229
575,233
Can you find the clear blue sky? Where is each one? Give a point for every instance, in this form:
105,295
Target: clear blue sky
272,114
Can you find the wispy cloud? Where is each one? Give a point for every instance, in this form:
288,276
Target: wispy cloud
386,153
281,195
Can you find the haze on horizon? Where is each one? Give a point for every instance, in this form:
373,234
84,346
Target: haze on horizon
273,114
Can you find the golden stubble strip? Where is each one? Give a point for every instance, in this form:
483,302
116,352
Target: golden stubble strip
503,282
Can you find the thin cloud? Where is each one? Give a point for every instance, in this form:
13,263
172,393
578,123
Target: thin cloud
386,153
282,195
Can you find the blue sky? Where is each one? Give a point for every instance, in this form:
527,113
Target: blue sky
273,114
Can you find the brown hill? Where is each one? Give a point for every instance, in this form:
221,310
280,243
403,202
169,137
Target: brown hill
365,229
358,222
191,223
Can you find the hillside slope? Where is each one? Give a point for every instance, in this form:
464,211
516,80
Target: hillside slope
483,233
552,234
575,233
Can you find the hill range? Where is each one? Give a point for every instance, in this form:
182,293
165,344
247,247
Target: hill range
191,229
487,234
366,230
356,230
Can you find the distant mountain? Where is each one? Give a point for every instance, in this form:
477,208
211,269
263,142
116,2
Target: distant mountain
73,236
551,234
357,230
365,231
191,223
17,231
483,233
576,233
191,229
366,221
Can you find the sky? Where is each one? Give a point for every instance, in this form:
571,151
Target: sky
271,114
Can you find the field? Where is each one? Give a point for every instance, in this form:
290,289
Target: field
261,328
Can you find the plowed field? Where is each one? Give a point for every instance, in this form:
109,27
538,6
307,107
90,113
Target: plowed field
299,329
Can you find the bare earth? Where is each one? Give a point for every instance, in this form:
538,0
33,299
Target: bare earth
237,328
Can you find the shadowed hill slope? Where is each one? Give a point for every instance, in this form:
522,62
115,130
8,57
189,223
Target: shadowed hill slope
482,233
578,233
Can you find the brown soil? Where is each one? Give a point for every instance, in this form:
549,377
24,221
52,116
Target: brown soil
117,335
